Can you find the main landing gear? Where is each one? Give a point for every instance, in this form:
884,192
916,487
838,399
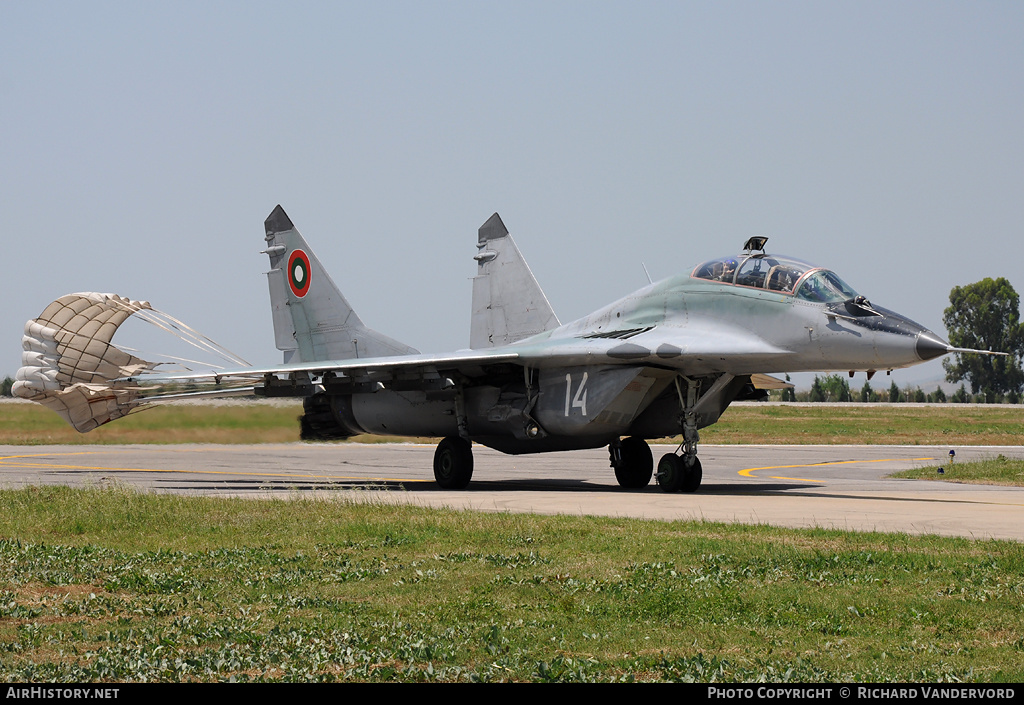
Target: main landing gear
453,463
633,463
453,459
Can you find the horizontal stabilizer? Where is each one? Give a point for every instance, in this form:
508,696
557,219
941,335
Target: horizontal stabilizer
769,382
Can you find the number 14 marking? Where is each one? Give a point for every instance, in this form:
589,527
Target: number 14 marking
580,400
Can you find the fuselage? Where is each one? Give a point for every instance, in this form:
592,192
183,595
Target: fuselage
617,371
666,360
700,324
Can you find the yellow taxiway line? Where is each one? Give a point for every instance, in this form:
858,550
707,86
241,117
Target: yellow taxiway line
5,462
13,461
748,471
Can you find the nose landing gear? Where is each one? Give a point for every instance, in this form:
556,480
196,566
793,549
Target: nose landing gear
683,473
679,473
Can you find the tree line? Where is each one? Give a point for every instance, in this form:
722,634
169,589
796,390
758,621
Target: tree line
836,388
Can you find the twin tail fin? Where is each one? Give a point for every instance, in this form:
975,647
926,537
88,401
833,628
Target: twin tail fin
312,319
508,303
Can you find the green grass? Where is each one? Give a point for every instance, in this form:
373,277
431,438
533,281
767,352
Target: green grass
114,585
999,470
33,424
856,424
255,422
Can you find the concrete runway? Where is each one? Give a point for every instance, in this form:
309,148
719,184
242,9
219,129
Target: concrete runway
796,486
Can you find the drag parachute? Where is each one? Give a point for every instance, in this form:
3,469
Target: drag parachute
70,365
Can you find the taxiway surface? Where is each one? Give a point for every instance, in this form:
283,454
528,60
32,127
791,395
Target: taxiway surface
843,487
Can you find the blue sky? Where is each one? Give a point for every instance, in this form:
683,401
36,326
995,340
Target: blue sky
144,143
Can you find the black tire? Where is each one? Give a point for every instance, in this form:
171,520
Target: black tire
453,463
693,476
670,473
637,464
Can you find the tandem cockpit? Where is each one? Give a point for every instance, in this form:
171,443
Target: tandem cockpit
779,273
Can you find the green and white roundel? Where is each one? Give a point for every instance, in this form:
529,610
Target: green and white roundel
298,273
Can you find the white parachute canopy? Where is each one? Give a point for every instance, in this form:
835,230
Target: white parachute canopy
69,363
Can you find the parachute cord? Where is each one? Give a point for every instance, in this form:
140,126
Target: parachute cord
188,335
173,358
220,349
183,332
160,320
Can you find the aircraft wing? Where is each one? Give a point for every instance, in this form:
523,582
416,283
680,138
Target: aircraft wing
682,350
353,375
692,350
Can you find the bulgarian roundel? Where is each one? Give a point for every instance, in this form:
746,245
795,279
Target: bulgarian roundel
298,273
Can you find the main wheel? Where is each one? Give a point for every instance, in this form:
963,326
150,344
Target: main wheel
674,476
453,463
636,464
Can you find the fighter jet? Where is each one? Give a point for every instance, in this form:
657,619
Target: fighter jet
666,360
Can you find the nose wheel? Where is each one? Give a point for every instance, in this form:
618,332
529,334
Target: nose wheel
679,473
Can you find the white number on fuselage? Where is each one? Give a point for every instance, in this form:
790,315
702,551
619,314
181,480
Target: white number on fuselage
580,400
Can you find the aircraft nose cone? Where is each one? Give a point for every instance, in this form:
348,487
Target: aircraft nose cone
930,346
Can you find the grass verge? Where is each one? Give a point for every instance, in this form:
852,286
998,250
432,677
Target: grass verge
114,585
999,470
255,422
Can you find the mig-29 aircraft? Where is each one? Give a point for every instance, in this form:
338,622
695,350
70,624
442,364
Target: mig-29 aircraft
665,360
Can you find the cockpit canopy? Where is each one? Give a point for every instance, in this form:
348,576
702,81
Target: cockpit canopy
785,275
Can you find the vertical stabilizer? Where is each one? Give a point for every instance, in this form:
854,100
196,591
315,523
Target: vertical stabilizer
508,304
312,319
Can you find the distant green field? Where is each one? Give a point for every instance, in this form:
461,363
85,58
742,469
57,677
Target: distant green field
870,424
256,422
113,585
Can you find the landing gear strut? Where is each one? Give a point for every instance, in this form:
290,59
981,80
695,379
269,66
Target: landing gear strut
632,461
683,473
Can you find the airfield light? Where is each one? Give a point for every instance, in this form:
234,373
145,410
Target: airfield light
952,456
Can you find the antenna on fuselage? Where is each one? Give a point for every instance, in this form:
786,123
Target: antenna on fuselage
755,243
